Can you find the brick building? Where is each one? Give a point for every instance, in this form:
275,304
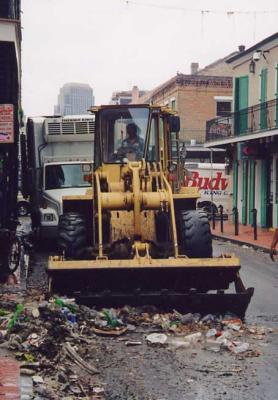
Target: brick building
197,97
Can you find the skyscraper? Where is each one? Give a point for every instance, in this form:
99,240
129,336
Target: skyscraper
74,98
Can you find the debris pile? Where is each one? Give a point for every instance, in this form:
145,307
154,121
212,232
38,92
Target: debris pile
211,332
54,345
57,340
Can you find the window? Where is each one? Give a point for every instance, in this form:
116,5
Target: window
173,104
174,146
123,134
223,108
59,176
153,142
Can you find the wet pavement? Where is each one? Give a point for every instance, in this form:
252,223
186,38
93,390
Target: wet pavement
130,367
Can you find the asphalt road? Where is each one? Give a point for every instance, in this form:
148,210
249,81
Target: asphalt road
194,374
258,271
167,373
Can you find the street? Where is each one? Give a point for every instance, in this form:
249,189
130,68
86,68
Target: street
260,272
185,374
132,368
138,200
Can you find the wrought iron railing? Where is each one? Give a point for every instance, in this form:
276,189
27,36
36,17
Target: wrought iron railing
258,118
10,9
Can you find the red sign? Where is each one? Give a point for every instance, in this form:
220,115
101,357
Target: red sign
6,123
202,182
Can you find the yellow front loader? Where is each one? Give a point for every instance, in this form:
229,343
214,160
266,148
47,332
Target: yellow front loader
136,237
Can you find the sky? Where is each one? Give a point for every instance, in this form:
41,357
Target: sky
116,44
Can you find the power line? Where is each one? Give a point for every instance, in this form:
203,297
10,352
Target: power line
199,11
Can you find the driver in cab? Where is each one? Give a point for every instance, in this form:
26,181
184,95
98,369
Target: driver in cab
132,146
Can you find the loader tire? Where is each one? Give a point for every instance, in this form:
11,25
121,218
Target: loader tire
72,238
195,238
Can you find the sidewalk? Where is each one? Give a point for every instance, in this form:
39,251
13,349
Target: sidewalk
13,384
9,379
245,235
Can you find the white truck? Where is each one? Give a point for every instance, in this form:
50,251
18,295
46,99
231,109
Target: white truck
213,183
57,161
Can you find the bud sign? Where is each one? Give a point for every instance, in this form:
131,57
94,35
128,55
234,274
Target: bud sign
205,182
212,182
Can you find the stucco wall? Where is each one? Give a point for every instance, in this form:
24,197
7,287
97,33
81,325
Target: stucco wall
270,62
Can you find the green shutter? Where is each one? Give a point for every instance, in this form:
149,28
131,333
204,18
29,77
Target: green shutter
244,192
263,99
241,104
263,185
235,183
276,95
276,191
252,165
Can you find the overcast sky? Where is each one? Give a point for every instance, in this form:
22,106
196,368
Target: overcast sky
116,44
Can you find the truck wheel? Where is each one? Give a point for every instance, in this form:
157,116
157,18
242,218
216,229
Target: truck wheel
72,235
14,255
195,238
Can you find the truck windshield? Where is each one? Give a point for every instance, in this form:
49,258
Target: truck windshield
59,176
124,134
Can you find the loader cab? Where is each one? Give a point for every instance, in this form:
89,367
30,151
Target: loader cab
122,134
132,133
126,133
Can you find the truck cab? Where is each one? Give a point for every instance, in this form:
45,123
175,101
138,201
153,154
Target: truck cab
61,179
58,163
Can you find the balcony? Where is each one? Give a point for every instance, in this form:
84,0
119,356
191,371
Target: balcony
249,123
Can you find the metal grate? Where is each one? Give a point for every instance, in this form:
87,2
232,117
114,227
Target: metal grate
64,127
54,128
68,128
84,127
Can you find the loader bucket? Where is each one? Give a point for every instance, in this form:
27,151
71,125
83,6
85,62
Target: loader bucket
196,285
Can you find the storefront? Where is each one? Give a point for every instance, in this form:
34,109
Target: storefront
250,133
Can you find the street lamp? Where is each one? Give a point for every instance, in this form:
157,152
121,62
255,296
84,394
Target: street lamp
252,67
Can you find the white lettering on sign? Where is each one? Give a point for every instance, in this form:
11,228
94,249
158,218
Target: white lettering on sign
6,123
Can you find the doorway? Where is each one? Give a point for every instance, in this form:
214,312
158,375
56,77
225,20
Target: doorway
266,193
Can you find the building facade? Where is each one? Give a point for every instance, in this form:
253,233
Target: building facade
250,133
127,97
10,108
197,97
74,98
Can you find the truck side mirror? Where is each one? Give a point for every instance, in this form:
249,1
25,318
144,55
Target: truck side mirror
174,122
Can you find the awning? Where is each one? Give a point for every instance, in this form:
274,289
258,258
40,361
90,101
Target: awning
241,138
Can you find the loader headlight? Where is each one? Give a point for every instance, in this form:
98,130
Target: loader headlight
48,217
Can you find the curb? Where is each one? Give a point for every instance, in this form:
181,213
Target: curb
240,243
9,379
